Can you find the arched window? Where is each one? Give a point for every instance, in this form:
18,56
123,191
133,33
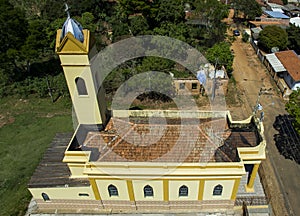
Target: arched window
183,191
45,197
148,191
112,190
218,190
80,85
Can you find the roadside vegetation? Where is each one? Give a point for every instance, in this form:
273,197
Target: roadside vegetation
292,107
273,36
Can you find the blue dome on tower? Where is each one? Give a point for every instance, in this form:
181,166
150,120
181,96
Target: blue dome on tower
73,27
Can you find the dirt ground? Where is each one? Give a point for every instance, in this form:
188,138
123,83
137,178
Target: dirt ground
277,173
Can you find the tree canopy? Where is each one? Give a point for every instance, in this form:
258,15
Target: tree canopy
28,36
294,38
221,54
273,36
248,8
209,15
293,108
13,33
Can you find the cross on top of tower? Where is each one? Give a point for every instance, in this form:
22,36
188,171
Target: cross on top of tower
67,10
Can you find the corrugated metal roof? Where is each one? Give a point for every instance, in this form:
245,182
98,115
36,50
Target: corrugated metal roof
275,14
290,7
256,30
274,61
277,10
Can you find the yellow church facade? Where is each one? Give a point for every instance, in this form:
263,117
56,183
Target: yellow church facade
98,169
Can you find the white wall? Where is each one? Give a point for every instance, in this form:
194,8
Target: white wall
296,86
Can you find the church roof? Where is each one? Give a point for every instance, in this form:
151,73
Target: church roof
52,171
190,142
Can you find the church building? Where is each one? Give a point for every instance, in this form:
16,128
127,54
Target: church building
119,161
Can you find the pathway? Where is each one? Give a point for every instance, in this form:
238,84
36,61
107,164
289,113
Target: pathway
283,174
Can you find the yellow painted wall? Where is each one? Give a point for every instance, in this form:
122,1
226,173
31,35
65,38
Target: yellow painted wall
74,59
193,188
77,170
121,186
209,187
102,103
63,193
72,72
86,106
138,187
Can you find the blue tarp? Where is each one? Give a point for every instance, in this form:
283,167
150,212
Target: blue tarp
275,14
201,76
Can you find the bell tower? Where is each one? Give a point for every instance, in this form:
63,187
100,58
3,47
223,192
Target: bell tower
75,48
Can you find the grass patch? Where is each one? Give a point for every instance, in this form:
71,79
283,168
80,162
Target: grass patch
23,142
232,95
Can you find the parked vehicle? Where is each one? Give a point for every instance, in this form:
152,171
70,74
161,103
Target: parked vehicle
236,32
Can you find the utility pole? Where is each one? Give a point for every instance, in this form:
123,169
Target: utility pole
257,102
214,82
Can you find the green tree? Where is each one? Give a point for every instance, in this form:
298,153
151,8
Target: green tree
13,34
273,36
32,8
156,64
155,12
209,15
132,7
121,30
87,20
36,44
221,54
294,38
178,31
170,11
249,8
293,108
51,30
138,25
55,8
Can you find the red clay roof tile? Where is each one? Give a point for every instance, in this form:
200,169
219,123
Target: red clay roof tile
291,62
173,142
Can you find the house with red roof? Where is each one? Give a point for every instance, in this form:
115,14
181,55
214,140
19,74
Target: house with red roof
291,62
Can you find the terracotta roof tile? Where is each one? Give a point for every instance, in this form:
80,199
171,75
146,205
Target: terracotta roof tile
172,142
291,62
276,2
262,2
279,22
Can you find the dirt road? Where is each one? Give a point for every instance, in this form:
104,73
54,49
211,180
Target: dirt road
281,175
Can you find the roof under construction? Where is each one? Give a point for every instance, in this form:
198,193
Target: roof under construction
208,140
